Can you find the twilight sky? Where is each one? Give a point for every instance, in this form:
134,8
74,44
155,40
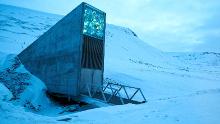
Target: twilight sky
170,25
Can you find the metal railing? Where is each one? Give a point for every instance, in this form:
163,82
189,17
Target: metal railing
115,93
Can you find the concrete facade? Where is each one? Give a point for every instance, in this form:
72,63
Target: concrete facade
56,56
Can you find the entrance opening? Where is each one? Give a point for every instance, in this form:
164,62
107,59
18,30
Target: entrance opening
69,104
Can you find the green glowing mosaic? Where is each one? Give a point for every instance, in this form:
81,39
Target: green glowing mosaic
94,23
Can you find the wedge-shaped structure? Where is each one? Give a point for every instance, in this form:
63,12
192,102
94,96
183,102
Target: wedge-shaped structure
69,57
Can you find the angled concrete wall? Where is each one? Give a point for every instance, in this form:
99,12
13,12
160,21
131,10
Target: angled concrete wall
55,56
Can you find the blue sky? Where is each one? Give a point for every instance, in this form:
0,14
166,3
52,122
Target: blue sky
170,25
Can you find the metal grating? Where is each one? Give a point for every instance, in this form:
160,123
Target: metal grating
92,55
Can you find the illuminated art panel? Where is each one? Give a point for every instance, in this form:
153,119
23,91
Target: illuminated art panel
94,23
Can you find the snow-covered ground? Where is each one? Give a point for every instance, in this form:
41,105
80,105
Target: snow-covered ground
180,87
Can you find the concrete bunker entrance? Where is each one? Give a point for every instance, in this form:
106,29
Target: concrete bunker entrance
92,62
67,76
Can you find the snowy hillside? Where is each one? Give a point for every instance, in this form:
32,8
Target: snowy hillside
180,88
21,27
201,59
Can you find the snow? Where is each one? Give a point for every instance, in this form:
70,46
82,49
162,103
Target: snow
20,27
180,87
5,93
11,114
180,110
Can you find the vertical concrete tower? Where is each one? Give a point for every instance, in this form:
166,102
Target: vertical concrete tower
69,57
